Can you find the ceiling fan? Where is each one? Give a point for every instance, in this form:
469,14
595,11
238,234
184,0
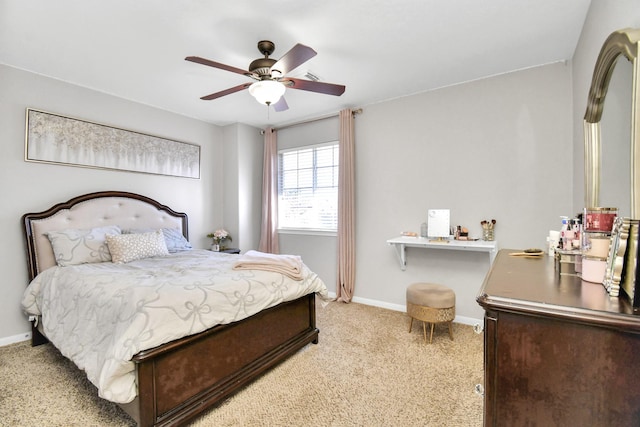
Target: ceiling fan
270,76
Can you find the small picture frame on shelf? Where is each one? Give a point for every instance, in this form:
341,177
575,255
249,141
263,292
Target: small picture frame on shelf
615,260
438,224
629,275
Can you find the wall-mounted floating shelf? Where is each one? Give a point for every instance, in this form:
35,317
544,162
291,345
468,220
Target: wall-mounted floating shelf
402,242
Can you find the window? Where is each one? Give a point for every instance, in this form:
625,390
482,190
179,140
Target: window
308,188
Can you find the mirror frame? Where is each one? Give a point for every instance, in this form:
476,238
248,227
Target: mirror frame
625,43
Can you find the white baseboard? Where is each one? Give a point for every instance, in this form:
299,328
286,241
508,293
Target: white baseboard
398,307
14,339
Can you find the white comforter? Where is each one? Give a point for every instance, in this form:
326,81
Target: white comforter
100,315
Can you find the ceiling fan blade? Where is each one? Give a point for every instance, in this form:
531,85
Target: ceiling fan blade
226,92
311,86
281,105
298,55
214,64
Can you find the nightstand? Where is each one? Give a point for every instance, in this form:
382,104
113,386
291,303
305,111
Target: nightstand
231,251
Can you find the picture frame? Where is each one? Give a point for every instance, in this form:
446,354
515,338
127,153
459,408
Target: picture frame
438,223
629,277
57,139
615,259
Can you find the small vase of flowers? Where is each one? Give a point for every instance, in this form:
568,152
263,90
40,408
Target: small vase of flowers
219,237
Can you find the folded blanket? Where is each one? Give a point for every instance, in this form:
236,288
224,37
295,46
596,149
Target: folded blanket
289,265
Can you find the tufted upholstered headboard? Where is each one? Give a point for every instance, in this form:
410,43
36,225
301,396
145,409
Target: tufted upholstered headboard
127,210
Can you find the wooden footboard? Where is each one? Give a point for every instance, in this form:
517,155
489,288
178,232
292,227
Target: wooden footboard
181,379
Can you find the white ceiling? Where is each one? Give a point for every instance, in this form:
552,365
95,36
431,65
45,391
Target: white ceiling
378,49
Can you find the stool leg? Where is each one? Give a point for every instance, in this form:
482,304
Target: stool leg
410,323
451,330
424,331
431,337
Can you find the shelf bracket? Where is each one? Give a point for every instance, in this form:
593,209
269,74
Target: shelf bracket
402,254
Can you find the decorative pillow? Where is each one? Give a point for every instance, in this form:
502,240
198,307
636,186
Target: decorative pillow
81,246
175,240
130,247
172,237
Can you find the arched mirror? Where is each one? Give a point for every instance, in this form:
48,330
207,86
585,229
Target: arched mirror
612,127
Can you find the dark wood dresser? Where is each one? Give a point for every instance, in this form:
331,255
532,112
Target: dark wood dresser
557,351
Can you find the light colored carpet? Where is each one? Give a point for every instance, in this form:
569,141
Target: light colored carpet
367,370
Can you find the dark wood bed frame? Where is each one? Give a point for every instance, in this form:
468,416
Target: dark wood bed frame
181,379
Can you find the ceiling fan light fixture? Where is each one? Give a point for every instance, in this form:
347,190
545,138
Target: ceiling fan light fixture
267,92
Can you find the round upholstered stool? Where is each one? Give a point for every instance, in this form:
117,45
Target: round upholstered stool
431,303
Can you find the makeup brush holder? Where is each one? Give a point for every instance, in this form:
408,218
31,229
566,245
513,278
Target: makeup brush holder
487,234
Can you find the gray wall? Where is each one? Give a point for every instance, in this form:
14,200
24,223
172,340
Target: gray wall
242,181
497,148
32,187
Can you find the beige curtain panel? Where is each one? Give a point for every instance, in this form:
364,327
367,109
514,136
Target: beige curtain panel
269,230
346,209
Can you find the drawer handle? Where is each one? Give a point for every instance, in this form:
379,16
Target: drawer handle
478,328
479,389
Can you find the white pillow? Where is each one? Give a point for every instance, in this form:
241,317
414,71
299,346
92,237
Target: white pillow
81,246
130,247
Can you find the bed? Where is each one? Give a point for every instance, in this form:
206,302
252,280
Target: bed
167,376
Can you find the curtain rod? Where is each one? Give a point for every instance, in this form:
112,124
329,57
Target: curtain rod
354,112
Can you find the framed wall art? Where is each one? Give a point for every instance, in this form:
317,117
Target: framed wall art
52,138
